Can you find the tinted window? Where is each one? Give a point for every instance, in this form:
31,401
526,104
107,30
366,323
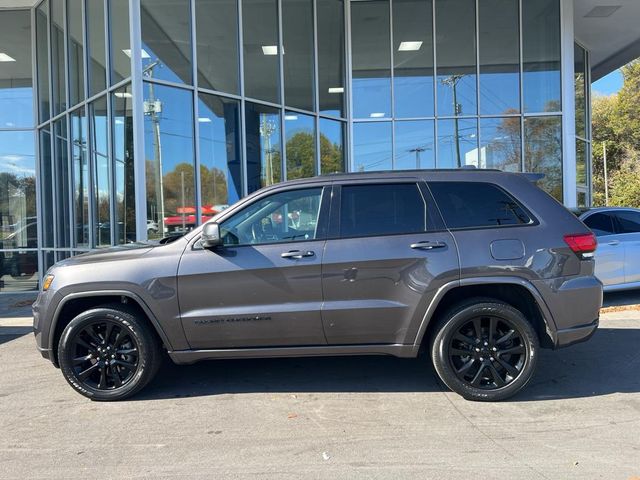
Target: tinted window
368,210
600,223
468,205
290,216
629,222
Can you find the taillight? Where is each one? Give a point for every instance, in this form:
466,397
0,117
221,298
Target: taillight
582,244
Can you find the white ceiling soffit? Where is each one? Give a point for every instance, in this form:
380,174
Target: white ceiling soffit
609,30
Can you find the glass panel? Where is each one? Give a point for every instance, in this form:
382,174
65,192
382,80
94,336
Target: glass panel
261,68
543,152
601,224
457,143
582,198
297,35
18,271
57,56
101,181
500,144
120,43
372,146
300,144
476,205
290,216
16,92
217,44
581,162
456,57
61,176
413,58
264,158
414,145
168,140
332,158
372,210
629,222
166,39
76,51
579,76
499,50
122,131
49,260
42,58
371,62
331,69
541,55
18,222
96,46
80,176
220,159
46,180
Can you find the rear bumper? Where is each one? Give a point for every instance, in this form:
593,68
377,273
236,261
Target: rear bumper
577,334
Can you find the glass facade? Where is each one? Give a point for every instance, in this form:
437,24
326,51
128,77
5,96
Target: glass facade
150,116
18,212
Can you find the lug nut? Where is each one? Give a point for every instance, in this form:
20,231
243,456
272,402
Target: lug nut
481,359
494,349
477,349
492,359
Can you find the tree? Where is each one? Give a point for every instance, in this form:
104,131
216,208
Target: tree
616,122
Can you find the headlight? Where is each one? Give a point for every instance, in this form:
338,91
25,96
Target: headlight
46,282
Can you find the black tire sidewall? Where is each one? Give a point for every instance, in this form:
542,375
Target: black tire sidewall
146,352
451,323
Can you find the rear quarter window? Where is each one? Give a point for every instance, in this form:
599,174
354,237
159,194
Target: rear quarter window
477,205
601,224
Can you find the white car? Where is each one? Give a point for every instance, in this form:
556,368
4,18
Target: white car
618,252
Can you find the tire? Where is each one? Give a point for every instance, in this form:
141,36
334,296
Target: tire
111,368
491,364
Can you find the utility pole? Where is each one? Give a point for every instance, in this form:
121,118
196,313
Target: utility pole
417,151
152,108
606,181
452,81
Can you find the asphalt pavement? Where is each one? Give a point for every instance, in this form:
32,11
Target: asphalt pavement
354,417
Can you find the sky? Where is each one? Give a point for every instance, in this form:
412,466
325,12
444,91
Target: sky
608,84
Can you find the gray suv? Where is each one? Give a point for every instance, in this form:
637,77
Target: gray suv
477,268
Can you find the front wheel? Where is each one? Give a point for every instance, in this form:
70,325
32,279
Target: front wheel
485,350
108,353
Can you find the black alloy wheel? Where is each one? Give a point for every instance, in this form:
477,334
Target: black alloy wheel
105,355
488,352
109,353
484,349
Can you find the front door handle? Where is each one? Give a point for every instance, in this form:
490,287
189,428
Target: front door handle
297,254
426,245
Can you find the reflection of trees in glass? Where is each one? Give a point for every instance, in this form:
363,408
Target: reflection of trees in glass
17,206
213,189
301,156
543,152
174,182
503,151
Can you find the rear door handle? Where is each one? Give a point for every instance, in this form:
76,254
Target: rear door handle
297,254
614,242
426,245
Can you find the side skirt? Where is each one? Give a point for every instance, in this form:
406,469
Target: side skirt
186,357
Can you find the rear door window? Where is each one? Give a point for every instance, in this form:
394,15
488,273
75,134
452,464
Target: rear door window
601,224
381,209
629,222
477,205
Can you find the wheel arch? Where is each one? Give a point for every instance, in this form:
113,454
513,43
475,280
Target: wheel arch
74,304
514,291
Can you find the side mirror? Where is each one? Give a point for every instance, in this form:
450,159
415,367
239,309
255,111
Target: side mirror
211,235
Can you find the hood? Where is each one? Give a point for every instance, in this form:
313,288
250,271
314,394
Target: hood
111,254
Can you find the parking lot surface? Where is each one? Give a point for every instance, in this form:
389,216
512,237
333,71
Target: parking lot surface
356,417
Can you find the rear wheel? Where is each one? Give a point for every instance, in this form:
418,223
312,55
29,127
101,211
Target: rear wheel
108,353
485,350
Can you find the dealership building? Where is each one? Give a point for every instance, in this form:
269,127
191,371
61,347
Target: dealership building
125,120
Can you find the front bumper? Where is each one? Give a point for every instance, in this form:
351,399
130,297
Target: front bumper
576,334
